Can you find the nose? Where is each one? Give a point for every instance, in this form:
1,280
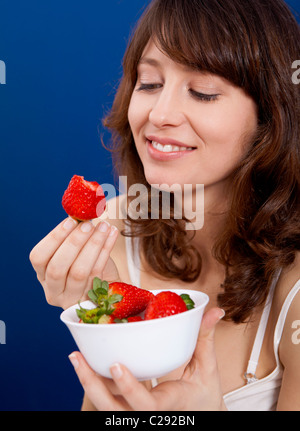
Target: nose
167,109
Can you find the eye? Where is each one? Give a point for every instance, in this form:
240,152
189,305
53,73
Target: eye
148,87
203,96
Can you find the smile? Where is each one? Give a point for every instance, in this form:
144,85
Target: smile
169,148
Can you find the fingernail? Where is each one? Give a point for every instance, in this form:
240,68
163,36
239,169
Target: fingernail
74,361
69,223
113,230
222,315
104,227
116,371
86,227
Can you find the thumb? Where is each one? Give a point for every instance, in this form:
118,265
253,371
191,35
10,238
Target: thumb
205,348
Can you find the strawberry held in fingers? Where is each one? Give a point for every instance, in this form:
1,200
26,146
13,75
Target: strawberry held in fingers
168,304
83,200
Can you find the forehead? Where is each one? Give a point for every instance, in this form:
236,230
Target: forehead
154,57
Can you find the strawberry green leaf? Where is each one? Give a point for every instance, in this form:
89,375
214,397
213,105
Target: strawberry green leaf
103,307
93,297
96,283
98,292
113,299
188,301
101,291
105,286
109,312
87,316
80,313
120,320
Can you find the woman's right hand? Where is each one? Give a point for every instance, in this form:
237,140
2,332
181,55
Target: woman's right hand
70,256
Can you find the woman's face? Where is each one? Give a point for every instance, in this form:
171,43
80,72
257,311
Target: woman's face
189,127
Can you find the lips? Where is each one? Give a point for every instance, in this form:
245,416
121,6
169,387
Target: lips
168,144
164,149
169,148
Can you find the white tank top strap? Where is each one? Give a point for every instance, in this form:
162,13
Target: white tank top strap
133,260
250,375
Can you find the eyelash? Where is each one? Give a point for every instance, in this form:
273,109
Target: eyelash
204,97
195,94
148,87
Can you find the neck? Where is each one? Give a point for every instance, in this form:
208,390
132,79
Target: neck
215,216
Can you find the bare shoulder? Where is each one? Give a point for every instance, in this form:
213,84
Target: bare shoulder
292,273
289,277
289,348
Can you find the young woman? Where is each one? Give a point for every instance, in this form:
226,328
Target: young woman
207,97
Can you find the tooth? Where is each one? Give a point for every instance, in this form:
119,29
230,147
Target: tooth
169,148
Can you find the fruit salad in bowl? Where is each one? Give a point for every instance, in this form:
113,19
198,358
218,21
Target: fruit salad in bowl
150,332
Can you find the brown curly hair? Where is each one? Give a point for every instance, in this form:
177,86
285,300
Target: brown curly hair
252,44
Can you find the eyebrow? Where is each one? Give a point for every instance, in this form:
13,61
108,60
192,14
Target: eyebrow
153,62
150,61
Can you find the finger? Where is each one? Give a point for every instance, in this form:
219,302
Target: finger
104,266
209,322
45,249
79,276
62,260
105,252
134,392
94,386
205,348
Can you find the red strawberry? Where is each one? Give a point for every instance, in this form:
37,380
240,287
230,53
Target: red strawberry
83,200
106,319
109,319
134,319
167,304
120,300
134,300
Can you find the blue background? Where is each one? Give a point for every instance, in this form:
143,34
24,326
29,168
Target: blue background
63,63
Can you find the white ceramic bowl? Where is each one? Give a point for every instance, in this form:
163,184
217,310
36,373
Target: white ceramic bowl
149,349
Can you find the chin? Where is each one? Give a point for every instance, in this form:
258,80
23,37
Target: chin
160,181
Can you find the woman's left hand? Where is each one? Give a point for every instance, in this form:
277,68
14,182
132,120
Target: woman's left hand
198,389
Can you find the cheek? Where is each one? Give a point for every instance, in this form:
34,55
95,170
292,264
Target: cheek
227,130
136,116
131,116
